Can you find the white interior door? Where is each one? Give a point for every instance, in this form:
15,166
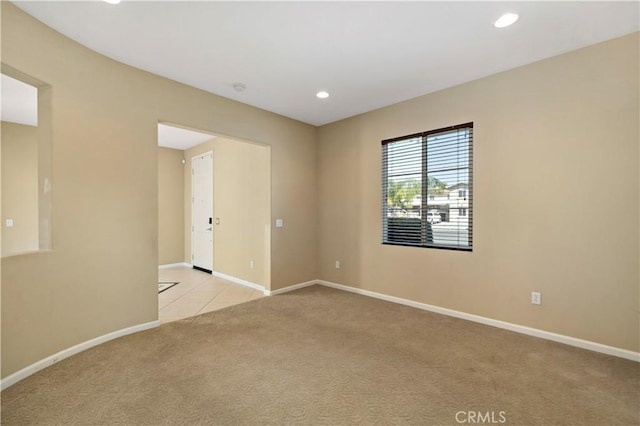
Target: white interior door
202,212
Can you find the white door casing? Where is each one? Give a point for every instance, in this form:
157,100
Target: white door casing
202,211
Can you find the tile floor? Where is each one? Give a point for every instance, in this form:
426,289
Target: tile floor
198,293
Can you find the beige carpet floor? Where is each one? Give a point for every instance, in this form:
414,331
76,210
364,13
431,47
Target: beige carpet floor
319,356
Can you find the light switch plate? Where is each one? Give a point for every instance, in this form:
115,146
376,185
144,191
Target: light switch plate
279,223
9,223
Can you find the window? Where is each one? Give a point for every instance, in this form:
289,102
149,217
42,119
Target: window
415,170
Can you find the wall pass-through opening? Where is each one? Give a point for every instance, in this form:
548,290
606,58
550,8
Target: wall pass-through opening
26,163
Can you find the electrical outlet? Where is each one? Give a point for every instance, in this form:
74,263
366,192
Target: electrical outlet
251,265
535,298
337,264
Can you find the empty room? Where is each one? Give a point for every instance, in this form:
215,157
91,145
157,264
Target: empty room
420,213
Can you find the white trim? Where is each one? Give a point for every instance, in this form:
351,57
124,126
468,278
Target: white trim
290,288
238,281
175,265
568,340
560,338
66,353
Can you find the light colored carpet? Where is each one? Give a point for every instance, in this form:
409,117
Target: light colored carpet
322,356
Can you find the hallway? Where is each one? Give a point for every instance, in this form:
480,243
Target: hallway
198,293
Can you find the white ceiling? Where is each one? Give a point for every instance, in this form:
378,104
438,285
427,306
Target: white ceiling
19,101
179,138
365,54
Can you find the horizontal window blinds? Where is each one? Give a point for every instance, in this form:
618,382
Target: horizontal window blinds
427,189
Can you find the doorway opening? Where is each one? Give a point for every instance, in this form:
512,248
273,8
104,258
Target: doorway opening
214,199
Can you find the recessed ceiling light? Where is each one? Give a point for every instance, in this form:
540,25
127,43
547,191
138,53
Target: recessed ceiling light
322,94
239,87
111,1
506,20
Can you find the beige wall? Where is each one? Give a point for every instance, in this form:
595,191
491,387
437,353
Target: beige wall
242,202
102,273
556,144
19,188
556,193
170,206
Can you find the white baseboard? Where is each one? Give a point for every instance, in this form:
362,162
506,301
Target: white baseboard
66,353
290,288
175,265
560,338
217,274
238,281
568,340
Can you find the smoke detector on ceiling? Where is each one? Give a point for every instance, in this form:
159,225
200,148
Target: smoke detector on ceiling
239,87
